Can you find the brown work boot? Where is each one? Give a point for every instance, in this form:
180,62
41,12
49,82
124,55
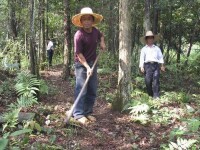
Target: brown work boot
91,118
83,120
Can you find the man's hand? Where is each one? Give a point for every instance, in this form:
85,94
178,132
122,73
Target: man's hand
84,63
102,43
162,68
103,46
142,69
89,71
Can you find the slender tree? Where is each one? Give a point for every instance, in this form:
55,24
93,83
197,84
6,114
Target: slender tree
147,22
169,35
67,40
178,58
42,41
192,36
111,28
155,16
13,19
124,73
47,18
33,57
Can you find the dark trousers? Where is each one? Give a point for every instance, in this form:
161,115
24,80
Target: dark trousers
50,56
152,74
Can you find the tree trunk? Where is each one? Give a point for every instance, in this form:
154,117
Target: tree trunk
13,20
42,34
33,60
67,41
47,19
147,22
192,37
169,36
155,17
111,29
179,45
124,74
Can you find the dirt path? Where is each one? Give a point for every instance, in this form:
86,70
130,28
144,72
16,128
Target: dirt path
112,131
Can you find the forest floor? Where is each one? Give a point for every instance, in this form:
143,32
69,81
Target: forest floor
112,130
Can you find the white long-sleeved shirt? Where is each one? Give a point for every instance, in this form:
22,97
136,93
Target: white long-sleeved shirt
150,54
50,45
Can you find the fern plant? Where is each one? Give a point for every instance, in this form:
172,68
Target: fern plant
140,113
182,144
26,87
11,118
26,101
26,84
193,124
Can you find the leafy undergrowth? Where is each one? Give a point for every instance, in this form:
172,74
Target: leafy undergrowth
172,122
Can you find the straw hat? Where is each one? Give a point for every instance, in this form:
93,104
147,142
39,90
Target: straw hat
149,33
76,20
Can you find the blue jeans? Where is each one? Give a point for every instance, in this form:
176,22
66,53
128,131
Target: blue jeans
152,74
86,102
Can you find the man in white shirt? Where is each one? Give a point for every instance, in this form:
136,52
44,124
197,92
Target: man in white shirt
150,58
49,51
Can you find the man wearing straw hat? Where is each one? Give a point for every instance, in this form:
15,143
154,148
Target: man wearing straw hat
86,40
150,60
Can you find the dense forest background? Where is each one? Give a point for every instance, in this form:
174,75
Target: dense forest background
24,73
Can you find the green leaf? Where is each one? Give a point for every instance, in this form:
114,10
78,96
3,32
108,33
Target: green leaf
174,145
38,127
3,143
176,132
5,136
19,132
193,124
52,139
190,109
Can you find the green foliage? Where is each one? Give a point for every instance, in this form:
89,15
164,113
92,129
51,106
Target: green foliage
110,97
20,132
10,54
165,115
11,118
140,113
194,64
189,127
184,97
52,139
6,87
26,84
177,132
139,107
139,82
46,146
5,140
193,124
107,63
182,144
145,109
3,143
33,125
43,87
181,97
